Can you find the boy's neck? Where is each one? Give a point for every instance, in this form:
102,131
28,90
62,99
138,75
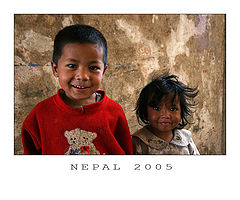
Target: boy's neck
94,98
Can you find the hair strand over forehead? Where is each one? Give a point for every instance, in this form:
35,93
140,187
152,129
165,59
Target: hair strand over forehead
153,92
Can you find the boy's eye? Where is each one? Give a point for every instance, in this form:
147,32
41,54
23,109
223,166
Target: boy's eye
94,68
71,65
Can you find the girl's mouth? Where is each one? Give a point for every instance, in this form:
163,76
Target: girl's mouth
164,123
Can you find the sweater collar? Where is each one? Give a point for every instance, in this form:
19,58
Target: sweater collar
83,109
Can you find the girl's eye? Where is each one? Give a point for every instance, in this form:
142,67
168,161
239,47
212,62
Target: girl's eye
156,108
71,65
173,109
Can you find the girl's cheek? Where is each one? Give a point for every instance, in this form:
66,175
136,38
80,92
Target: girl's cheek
152,117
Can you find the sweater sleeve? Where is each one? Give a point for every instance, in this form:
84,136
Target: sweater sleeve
30,136
122,134
30,146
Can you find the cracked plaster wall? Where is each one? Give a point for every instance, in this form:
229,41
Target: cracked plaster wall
140,46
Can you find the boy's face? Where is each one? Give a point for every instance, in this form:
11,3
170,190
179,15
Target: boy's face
165,117
80,70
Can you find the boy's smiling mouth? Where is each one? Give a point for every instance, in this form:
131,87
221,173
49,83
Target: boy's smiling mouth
79,87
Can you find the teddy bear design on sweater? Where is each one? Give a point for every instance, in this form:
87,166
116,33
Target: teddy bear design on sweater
81,142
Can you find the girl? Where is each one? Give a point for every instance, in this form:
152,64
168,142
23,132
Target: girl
163,108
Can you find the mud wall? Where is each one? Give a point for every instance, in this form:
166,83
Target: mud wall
191,46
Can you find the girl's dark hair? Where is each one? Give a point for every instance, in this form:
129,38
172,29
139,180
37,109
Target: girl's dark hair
159,87
80,34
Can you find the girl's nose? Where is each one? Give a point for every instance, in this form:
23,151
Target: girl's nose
82,74
164,112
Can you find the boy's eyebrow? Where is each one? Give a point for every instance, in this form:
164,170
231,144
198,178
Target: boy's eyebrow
75,60
95,61
72,59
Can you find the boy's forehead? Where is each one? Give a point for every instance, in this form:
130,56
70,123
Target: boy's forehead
95,45
87,44
71,49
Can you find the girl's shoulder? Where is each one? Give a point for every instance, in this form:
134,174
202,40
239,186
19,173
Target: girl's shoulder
142,133
182,137
140,140
184,132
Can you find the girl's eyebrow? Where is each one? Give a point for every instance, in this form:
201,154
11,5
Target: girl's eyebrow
174,103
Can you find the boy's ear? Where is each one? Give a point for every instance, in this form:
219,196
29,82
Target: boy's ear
105,69
54,69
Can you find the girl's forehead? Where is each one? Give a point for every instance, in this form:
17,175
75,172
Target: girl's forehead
169,99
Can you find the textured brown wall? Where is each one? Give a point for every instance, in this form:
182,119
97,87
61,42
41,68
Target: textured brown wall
191,46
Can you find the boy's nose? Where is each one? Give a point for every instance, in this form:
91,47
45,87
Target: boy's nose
82,74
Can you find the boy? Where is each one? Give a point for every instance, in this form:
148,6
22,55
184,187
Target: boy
79,119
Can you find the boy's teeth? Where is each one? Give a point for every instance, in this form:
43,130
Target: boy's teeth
79,87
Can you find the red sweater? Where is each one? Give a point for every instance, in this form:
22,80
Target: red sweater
53,127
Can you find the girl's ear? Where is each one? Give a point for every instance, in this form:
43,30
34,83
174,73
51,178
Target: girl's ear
54,69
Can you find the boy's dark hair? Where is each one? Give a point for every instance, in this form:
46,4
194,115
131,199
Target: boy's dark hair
152,93
79,33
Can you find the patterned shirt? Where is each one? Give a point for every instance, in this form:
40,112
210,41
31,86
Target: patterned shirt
145,142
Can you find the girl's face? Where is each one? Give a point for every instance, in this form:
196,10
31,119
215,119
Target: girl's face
165,117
